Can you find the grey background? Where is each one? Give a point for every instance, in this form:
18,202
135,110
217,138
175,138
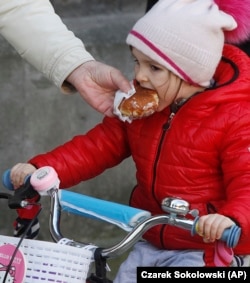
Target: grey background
35,116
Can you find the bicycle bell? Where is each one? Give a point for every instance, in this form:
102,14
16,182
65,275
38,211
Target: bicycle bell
175,206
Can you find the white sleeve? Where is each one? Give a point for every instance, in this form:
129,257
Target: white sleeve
41,38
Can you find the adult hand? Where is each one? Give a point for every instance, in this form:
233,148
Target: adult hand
97,83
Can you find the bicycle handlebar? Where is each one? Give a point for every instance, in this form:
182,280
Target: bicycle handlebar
46,184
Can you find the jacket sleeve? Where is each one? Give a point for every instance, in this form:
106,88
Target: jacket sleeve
86,156
40,37
235,163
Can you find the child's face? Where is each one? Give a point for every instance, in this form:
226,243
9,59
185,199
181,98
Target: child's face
152,75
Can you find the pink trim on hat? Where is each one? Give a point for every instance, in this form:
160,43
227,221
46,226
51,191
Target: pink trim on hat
162,55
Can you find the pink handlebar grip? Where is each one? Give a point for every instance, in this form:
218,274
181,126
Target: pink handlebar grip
44,179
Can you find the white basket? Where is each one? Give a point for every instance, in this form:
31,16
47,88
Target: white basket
51,262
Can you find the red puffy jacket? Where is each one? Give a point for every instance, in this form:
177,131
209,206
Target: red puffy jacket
202,156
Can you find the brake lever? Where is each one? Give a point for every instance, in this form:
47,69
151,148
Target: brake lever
23,196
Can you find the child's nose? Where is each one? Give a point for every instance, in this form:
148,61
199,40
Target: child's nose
140,76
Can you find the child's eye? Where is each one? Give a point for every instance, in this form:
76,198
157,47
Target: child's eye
136,61
154,68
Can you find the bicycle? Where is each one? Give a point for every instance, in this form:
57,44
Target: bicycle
67,260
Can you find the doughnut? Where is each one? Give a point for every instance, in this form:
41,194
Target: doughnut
141,104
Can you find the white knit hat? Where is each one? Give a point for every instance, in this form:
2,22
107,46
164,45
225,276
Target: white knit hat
185,36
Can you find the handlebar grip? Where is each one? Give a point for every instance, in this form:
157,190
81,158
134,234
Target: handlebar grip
230,235
6,180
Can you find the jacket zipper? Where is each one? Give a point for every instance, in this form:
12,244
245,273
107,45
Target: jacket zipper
166,127
174,108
